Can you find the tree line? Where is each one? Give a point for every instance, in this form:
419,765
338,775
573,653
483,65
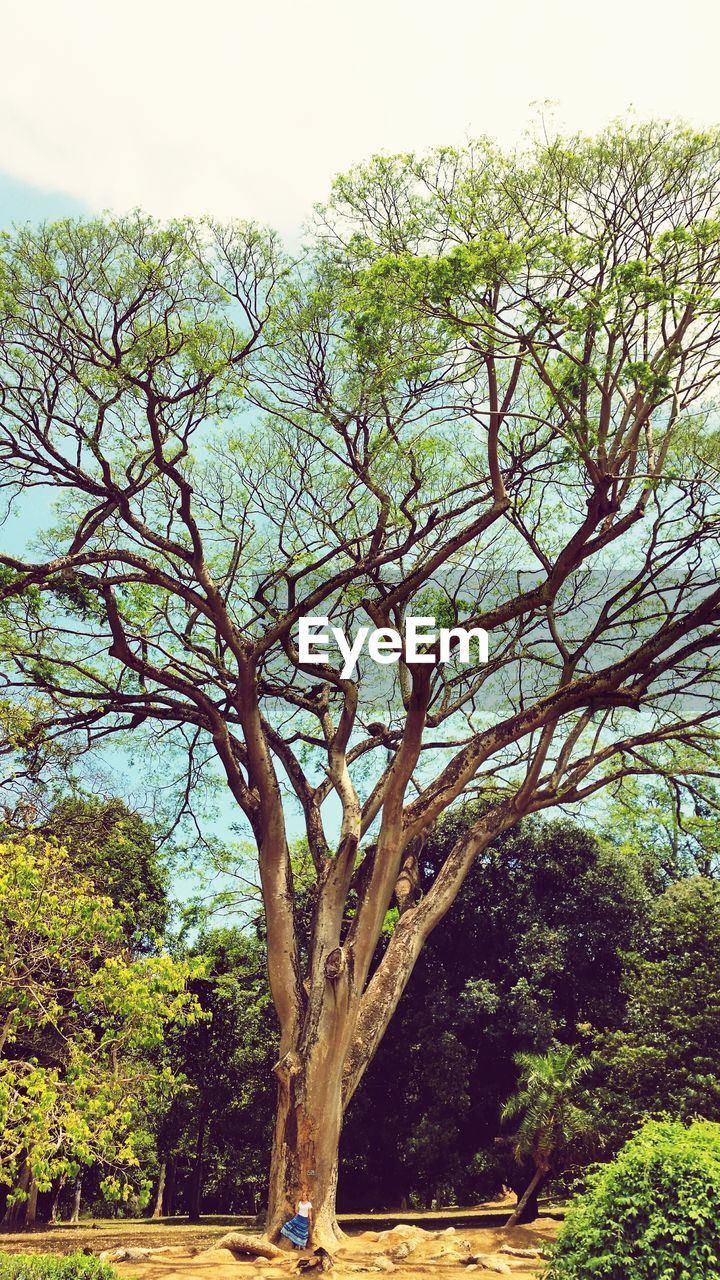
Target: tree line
566,947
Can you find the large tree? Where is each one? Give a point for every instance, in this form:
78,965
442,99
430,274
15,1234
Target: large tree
480,395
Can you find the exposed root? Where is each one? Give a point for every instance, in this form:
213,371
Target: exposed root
248,1246
321,1260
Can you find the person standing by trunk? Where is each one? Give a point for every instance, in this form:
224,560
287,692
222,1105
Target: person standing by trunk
297,1230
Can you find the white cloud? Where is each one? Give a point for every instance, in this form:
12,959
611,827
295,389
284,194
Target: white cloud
245,109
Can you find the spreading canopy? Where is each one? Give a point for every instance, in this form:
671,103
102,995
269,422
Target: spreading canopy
483,394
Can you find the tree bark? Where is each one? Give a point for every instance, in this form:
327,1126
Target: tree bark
342,1025
531,1190
170,1185
15,1212
197,1178
245,1246
31,1204
57,1192
75,1215
305,1147
158,1207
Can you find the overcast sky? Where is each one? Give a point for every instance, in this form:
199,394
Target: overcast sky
239,109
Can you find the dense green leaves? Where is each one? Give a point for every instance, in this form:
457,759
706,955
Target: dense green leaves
218,1129
650,1215
118,849
529,957
80,1021
546,1107
666,1056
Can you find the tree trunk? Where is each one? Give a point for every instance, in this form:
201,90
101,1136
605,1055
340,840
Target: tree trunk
531,1190
531,1208
197,1177
75,1215
31,1204
332,1022
318,1073
158,1208
305,1147
170,1185
58,1185
14,1214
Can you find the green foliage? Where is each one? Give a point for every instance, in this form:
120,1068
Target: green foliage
504,240
80,1022
117,848
666,1056
546,1105
528,957
671,821
480,371
650,1215
226,1062
45,1266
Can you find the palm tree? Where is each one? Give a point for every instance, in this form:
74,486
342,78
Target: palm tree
550,1120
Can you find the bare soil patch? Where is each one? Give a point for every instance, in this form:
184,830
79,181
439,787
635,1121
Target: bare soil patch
407,1251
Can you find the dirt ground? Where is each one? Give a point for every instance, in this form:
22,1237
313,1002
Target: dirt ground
408,1251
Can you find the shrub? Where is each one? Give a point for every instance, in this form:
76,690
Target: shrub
46,1266
650,1215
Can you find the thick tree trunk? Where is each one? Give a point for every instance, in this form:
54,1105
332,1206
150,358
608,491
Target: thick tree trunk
15,1212
332,1023
158,1206
305,1147
31,1205
530,1192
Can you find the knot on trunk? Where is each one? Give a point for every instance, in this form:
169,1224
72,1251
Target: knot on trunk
407,885
288,1066
336,964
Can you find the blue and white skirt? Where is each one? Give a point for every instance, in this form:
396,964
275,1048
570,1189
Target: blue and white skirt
297,1231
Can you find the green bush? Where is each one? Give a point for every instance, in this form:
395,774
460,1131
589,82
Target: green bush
653,1214
46,1266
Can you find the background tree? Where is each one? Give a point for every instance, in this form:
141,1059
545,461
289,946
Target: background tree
529,955
218,1131
119,848
550,1118
116,847
665,1058
479,395
79,1019
671,821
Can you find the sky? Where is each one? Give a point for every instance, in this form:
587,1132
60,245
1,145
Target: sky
241,109
238,109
